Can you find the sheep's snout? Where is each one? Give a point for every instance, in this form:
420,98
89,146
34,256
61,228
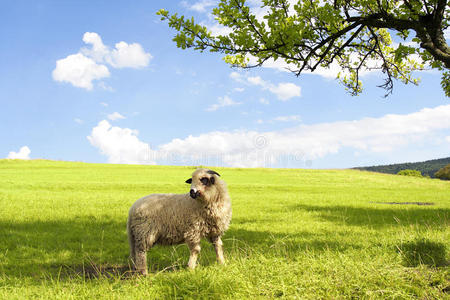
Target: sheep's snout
194,193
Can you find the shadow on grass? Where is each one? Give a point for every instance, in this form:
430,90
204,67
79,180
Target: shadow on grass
94,270
379,216
91,247
286,245
48,248
423,252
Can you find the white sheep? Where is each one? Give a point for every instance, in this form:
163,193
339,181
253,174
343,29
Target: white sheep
170,219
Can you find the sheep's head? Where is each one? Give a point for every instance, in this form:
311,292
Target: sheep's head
203,184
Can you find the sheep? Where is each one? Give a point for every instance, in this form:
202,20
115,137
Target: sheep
171,219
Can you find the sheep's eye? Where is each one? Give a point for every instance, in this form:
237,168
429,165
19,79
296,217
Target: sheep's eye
204,180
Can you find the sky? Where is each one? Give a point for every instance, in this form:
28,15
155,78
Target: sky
103,82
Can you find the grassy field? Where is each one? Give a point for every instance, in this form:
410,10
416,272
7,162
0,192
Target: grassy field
305,234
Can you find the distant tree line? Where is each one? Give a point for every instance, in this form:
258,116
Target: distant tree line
427,168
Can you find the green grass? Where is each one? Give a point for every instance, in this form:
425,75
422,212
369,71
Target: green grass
306,234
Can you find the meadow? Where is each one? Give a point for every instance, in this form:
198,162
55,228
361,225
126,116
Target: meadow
307,234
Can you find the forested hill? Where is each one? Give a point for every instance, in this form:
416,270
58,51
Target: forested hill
428,167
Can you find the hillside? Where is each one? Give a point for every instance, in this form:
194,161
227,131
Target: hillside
295,234
428,167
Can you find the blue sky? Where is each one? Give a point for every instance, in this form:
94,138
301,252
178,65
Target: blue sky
102,81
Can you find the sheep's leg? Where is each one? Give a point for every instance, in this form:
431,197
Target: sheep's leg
194,247
131,244
142,240
217,242
141,261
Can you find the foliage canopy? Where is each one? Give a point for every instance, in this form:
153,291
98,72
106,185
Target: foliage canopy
408,172
443,173
351,35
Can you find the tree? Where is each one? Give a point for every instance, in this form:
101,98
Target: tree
408,172
443,173
310,34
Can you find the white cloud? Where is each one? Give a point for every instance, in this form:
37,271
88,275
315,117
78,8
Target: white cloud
223,102
264,101
99,51
285,119
239,90
120,145
246,148
227,146
115,116
383,134
79,70
24,153
200,6
105,87
257,81
447,138
236,76
89,64
124,55
104,104
78,121
291,118
284,91
128,56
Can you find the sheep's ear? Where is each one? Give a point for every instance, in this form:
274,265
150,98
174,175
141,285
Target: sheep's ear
212,172
189,180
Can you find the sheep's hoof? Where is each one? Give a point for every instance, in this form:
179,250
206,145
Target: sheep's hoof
142,272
